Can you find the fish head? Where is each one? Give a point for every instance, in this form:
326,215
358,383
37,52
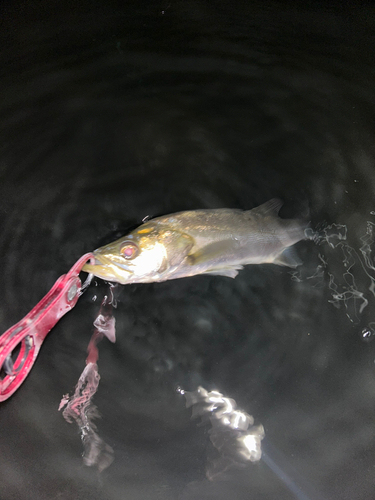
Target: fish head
147,254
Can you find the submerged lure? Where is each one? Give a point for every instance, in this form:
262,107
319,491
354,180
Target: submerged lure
219,242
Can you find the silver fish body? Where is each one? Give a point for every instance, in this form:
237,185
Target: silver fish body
219,241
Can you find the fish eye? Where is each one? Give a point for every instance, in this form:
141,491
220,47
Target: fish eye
129,250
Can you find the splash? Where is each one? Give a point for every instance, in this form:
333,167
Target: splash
332,234
342,268
79,407
232,431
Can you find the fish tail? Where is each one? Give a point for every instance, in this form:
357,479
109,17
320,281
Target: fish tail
295,229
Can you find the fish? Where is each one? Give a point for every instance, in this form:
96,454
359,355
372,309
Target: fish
209,241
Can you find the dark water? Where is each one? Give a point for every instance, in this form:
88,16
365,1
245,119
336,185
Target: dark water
113,111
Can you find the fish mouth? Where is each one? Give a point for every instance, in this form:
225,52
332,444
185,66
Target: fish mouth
108,270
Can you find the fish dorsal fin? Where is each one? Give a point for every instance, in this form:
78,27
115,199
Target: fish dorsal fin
271,206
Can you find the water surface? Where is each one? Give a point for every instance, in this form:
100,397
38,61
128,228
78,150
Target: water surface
112,112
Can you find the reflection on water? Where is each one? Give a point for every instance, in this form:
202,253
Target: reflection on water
79,406
110,112
232,431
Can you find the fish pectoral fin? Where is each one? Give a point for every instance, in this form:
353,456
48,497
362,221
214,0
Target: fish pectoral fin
271,206
213,251
229,272
288,258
